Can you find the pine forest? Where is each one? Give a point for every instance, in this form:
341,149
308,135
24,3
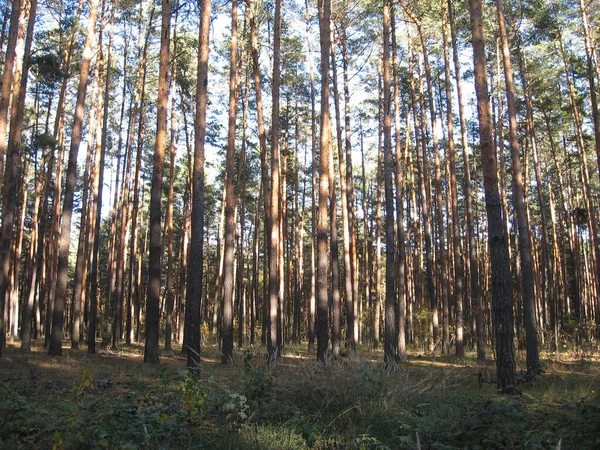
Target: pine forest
290,224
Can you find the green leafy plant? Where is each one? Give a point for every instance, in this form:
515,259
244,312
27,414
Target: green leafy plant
257,381
86,383
195,393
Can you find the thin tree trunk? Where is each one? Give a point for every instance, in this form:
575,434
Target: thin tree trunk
229,256
376,303
476,309
353,318
170,294
391,332
242,180
456,233
55,347
17,116
336,306
97,203
400,180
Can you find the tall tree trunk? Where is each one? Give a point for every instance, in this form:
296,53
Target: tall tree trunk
591,74
498,244
35,257
456,232
400,182
375,305
366,266
322,327
10,184
547,261
151,350
7,84
591,217
196,256
229,256
475,293
273,343
336,306
353,318
391,332
242,181
55,347
312,302
533,360
97,203
170,292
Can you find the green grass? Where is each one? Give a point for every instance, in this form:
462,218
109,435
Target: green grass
114,401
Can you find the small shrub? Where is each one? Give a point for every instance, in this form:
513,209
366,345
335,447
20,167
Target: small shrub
195,392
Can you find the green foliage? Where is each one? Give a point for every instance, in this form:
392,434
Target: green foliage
87,381
257,381
354,404
195,392
235,409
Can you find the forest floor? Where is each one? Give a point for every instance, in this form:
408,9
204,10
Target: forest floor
112,400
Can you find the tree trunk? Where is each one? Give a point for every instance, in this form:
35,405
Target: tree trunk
391,332
400,190
520,208
273,343
170,292
456,232
324,181
475,293
498,244
7,84
336,306
196,256
353,318
55,347
151,350
229,256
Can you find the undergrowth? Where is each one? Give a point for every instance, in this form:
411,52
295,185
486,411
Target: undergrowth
105,403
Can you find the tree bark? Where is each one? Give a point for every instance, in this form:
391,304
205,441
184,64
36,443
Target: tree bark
55,347
273,343
391,332
196,255
324,180
456,232
498,244
229,249
151,350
